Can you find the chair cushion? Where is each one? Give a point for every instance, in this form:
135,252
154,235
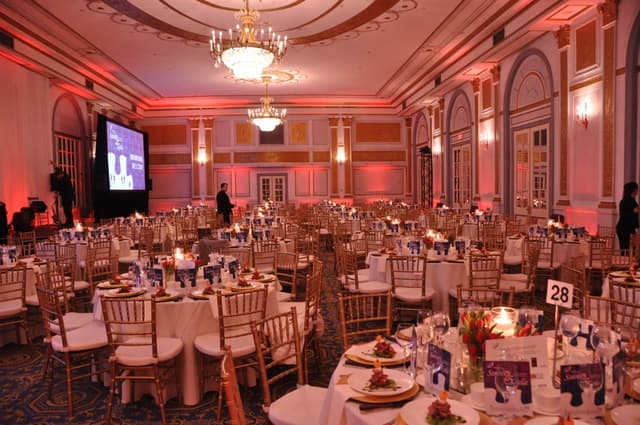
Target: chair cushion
413,295
517,277
300,307
127,259
88,337
370,287
73,320
168,348
80,285
301,406
209,344
32,300
11,308
284,296
512,260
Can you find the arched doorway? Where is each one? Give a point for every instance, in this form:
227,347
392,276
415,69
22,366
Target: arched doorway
69,147
423,180
632,115
528,149
459,152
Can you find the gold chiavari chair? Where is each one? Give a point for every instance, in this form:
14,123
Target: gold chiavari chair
485,297
13,307
264,255
27,241
485,270
236,310
355,279
277,346
524,283
231,389
68,266
409,286
80,350
286,267
363,316
621,316
578,278
136,352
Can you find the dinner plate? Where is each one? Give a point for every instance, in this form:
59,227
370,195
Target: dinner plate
551,420
365,352
541,411
359,381
168,296
467,399
110,285
415,412
626,415
198,295
235,288
115,293
619,274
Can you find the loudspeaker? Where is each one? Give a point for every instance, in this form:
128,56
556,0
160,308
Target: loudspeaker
38,206
21,221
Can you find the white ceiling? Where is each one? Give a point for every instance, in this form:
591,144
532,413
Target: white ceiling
378,54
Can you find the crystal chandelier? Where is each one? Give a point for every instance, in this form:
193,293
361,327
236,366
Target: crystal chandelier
246,52
267,117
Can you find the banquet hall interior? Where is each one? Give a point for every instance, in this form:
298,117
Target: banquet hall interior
356,141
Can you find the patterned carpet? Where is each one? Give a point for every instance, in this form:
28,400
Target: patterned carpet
24,399
23,392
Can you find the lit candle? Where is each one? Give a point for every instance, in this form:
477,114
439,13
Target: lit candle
179,254
79,227
503,319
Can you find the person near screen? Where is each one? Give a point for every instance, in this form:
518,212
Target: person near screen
67,195
224,204
628,221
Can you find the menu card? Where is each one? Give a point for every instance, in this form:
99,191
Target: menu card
154,276
212,273
414,247
532,349
185,276
507,387
438,369
584,384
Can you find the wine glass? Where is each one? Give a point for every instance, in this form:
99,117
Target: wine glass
605,341
570,326
440,325
423,320
506,384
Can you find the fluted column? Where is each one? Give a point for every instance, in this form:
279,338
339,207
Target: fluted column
497,172
563,39
475,84
410,158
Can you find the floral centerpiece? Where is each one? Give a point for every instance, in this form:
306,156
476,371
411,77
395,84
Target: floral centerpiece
169,268
428,242
476,329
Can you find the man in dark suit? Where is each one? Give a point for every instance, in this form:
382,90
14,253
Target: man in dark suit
224,204
67,195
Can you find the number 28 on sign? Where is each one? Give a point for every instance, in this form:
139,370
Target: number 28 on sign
559,293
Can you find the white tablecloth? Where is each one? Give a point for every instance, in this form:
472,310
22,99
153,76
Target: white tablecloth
441,276
186,320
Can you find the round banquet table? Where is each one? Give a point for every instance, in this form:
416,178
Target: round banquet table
185,319
442,276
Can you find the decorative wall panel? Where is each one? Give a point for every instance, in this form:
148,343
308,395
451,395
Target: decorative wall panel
222,158
586,46
223,176
486,93
254,157
320,156
222,133
320,132
382,180
166,135
298,133
374,132
321,182
170,183
244,133
302,182
242,183
169,159
378,156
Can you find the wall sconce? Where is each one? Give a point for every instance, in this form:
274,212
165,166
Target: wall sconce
202,155
341,156
484,140
582,114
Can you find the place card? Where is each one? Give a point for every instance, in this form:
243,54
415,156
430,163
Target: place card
582,389
437,370
531,349
507,388
212,273
414,247
154,276
185,276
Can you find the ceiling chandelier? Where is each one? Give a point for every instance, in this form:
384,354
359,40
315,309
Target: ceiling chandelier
266,116
247,52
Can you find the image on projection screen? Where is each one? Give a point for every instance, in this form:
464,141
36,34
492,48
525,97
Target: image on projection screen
125,158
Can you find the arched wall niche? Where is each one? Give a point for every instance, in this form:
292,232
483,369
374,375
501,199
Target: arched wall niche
631,121
530,83
458,121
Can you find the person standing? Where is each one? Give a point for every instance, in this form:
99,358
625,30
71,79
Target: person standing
224,204
67,195
628,221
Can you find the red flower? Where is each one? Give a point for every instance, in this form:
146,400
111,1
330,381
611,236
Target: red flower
465,338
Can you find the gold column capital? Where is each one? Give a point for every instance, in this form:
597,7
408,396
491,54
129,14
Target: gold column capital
208,122
563,36
475,85
346,121
333,121
495,74
194,122
408,121
430,110
441,104
609,11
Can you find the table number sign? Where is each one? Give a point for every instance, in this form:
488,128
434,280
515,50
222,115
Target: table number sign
559,293
582,389
438,370
507,387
